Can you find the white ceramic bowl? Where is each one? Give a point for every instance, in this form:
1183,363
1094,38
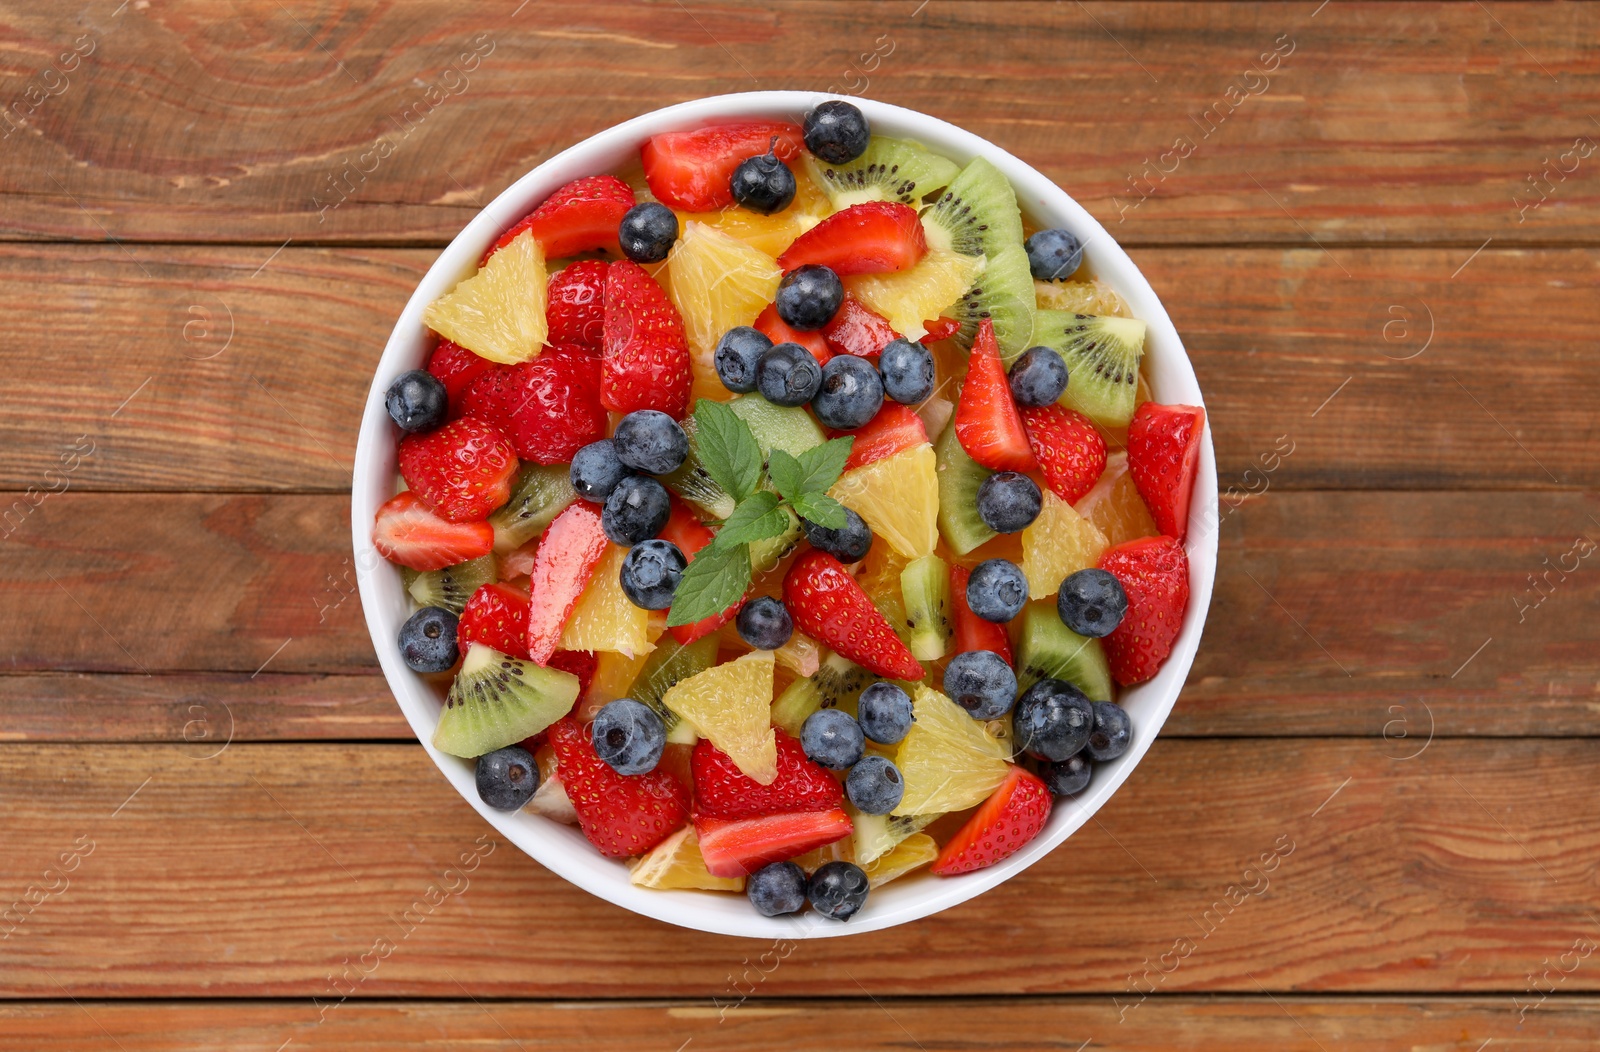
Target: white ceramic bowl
563,849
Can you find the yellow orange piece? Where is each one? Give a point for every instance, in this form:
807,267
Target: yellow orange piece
948,760
499,312
614,673
676,862
912,853
604,619
910,297
717,283
731,704
1114,505
898,496
1059,542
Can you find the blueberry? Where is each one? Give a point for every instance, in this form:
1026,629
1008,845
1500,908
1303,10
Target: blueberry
650,573
428,640
1065,777
777,889
417,401
832,738
649,440
808,296
907,370
635,511
847,544
981,682
763,184
1038,377
837,132
1091,603
1053,720
737,355
788,375
1008,501
629,736
838,889
596,470
874,785
764,623
850,395
997,590
1053,255
1112,732
647,232
507,778
885,713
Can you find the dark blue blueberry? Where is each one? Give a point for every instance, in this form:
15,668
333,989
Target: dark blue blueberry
1091,603
1112,732
847,544
832,738
428,640
908,371
850,395
763,184
808,296
647,232
981,682
1069,776
629,736
885,713
596,470
764,623
1038,377
838,890
636,510
650,573
1008,501
417,401
1052,720
837,132
874,785
649,440
507,778
737,355
777,889
788,375
997,590
1053,255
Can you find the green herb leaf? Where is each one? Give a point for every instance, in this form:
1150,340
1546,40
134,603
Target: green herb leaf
758,518
820,509
714,581
727,448
786,473
821,466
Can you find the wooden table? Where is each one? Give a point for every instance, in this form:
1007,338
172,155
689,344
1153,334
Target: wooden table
1380,246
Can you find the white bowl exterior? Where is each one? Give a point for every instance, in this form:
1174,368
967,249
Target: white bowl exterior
562,849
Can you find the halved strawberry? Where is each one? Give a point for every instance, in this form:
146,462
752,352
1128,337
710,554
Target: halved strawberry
1070,451
895,429
462,470
491,396
577,311
685,529
857,329
456,367
874,237
581,216
987,424
829,606
497,617
740,846
940,328
1163,452
690,170
407,532
622,815
721,790
969,631
1154,573
778,331
568,552
1011,817
646,358
555,407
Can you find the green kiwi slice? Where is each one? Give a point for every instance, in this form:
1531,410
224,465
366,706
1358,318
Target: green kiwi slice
669,663
452,586
959,479
1003,293
497,701
694,484
925,587
837,683
1048,649
977,214
890,170
789,428
874,836
539,493
1102,355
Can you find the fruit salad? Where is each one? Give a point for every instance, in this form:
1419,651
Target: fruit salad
787,513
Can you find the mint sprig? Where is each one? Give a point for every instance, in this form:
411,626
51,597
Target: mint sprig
727,448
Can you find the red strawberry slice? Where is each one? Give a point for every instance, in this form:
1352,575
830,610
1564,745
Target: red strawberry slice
1163,453
735,848
1003,824
987,423
577,311
721,790
685,529
491,397
497,617
940,328
690,170
971,632
895,429
456,367
580,663
829,606
857,329
1070,451
554,407
462,470
646,358
777,331
407,532
1154,572
581,216
875,237
622,815
568,552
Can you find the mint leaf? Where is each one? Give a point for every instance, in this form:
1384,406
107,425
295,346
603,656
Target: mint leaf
715,580
786,473
821,466
820,509
758,518
727,448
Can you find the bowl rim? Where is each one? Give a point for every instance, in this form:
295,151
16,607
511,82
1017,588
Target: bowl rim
560,848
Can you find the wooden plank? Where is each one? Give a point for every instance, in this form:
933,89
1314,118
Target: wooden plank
1166,1024
179,367
1189,122
262,871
